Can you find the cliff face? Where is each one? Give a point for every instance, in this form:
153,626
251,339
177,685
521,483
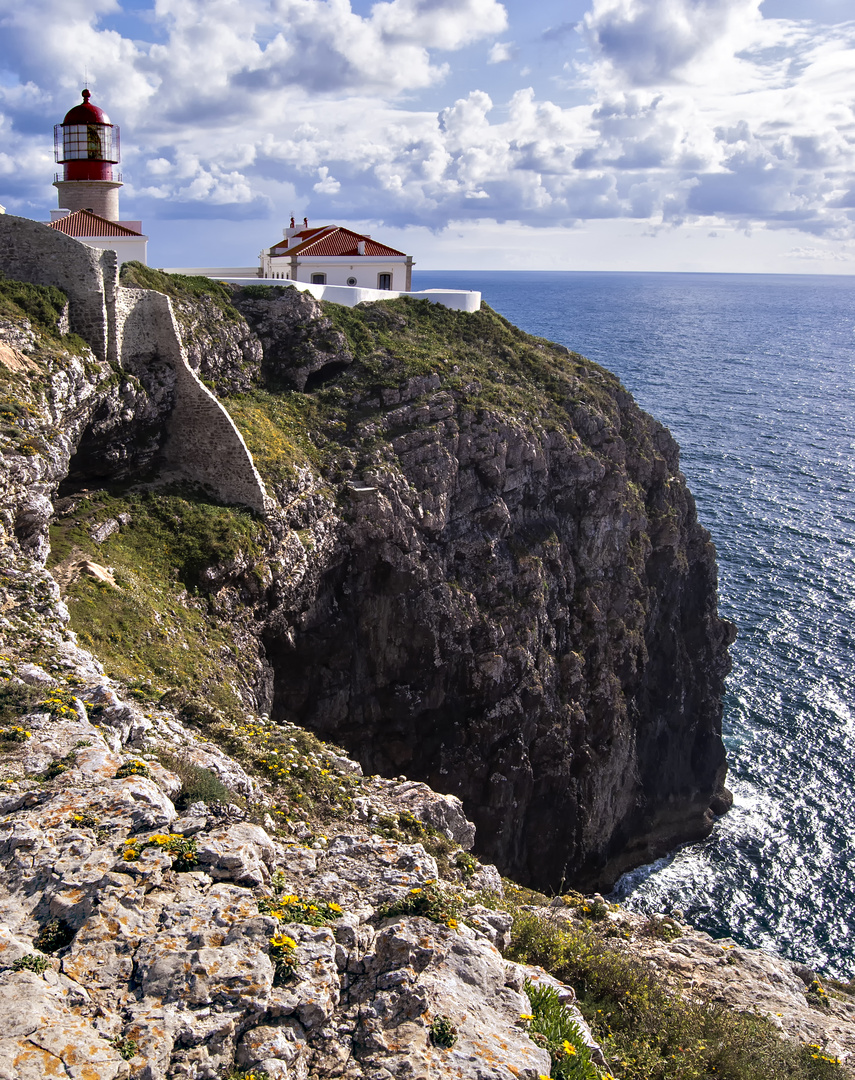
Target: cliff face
519,605
483,569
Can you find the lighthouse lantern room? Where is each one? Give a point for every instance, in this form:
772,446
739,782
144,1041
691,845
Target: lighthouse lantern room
86,144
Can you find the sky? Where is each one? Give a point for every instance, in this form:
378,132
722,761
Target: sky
669,135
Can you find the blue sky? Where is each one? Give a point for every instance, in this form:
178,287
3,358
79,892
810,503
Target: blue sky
610,134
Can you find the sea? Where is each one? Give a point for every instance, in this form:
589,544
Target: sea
755,377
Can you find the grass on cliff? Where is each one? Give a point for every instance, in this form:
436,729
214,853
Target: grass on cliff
181,287
648,1032
41,304
486,364
158,624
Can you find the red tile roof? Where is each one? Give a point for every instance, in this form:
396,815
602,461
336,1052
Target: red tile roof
333,240
85,223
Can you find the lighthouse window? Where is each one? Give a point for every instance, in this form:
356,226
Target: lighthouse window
81,142
384,281
319,279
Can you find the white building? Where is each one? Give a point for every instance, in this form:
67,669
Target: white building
333,255
123,237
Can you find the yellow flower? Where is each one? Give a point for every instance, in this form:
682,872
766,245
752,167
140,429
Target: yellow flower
333,906
526,1016
569,1048
452,923
415,890
160,839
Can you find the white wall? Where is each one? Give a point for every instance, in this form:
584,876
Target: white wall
349,296
127,248
365,269
456,299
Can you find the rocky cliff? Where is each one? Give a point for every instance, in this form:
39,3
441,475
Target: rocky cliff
478,565
481,566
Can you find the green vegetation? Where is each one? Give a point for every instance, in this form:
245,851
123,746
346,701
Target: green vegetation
127,1048
433,900
15,734
289,908
552,1026
443,1032
649,1032
406,828
181,287
198,784
53,937
132,768
283,952
181,848
35,962
285,430
43,305
59,702
158,623
480,358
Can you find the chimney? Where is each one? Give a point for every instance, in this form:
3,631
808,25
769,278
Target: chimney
360,247
58,215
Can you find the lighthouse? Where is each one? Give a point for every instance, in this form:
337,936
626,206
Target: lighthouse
86,144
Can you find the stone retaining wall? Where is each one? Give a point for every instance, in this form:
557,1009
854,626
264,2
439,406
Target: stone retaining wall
202,441
131,328
30,251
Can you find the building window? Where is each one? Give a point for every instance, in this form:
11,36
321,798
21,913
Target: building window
351,281
384,281
319,279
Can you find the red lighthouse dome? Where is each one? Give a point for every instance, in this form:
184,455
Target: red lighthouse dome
86,113
86,144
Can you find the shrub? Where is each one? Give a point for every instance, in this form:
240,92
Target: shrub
283,953
32,962
15,734
181,848
198,784
42,304
132,768
553,1027
56,935
60,702
443,1032
649,1032
433,900
288,907
127,1048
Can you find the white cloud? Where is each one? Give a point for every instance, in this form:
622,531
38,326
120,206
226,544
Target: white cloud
501,52
327,185
682,111
655,42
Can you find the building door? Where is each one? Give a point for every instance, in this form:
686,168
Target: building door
384,281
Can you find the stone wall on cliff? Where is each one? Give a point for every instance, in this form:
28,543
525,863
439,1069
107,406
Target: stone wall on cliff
30,251
135,330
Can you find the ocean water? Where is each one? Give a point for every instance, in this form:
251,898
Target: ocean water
755,377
